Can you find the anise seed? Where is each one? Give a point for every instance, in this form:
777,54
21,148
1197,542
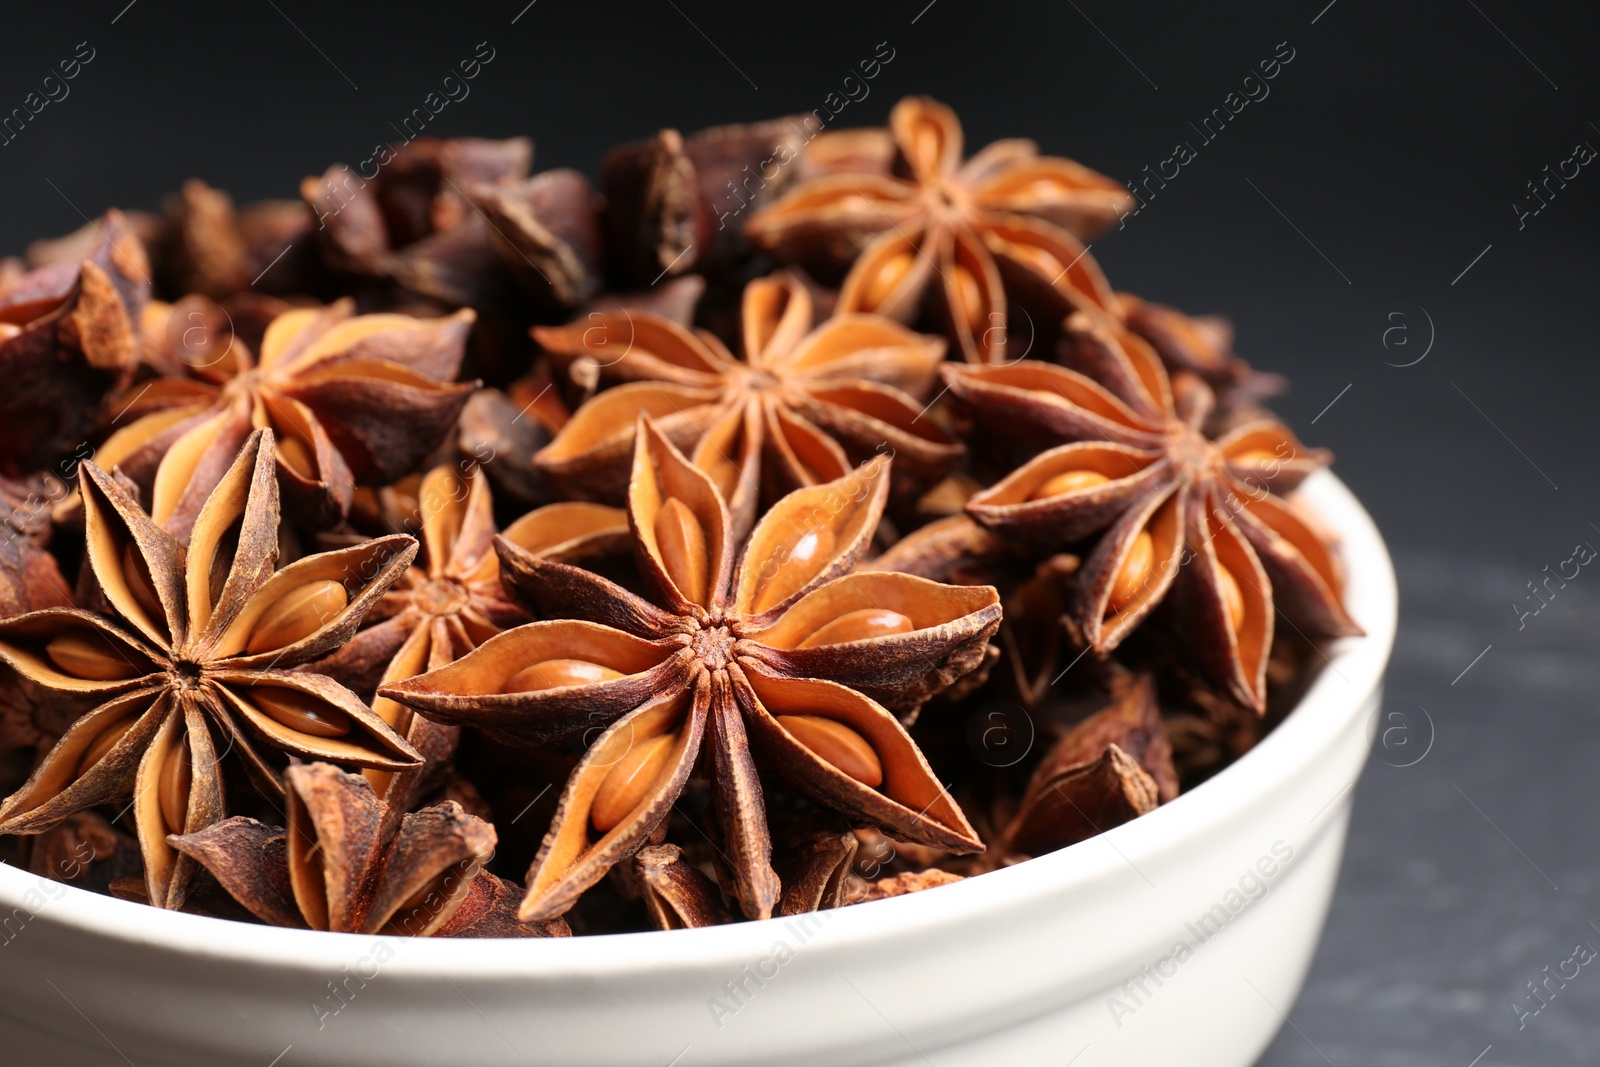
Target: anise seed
86,657
1133,573
833,742
888,275
793,563
630,780
681,541
301,712
859,625
105,742
176,777
557,674
1068,482
296,615
1254,457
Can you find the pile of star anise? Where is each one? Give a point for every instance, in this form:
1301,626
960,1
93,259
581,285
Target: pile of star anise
796,519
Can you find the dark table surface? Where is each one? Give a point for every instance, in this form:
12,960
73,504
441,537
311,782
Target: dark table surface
1474,855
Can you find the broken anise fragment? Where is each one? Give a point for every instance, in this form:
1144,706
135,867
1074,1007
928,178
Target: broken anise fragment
684,678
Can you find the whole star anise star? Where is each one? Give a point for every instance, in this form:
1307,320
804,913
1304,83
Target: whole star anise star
1182,515
437,613
802,407
1006,220
741,663
349,398
343,863
202,668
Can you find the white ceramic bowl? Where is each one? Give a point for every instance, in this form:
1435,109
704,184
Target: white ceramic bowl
1181,937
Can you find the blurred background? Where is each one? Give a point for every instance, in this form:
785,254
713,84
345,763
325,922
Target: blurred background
1368,224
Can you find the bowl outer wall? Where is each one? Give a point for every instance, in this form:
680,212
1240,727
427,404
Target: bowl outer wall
1034,959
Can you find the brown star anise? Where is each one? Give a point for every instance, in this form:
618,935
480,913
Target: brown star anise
1182,514
68,334
349,398
759,661
214,632
1113,766
801,408
438,613
1006,220
342,863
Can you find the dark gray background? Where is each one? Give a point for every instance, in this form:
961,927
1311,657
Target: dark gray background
1351,201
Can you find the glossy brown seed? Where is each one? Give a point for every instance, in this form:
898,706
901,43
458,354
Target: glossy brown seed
682,543
882,283
1254,457
557,674
630,780
297,457
296,615
176,775
1232,598
301,712
860,625
1133,574
835,743
89,656
104,743
137,575
967,298
1068,482
793,563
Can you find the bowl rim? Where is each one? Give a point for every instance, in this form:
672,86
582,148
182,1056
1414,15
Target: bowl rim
1339,693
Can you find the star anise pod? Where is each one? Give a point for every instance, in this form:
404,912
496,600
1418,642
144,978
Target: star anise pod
438,612
677,204
412,222
1113,766
1184,515
343,864
802,407
349,397
68,335
744,662
197,663
1005,221
677,895
211,248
